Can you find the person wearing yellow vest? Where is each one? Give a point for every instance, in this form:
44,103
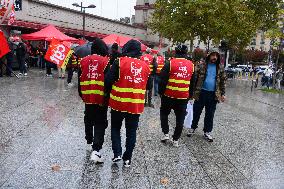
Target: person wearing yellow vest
125,85
91,89
175,90
151,61
160,64
73,64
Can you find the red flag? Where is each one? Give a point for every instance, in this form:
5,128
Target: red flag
59,52
4,47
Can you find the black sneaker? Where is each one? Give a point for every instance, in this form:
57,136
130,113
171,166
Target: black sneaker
151,105
126,163
116,159
190,132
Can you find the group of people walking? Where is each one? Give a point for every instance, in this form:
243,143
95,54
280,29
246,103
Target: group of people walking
125,83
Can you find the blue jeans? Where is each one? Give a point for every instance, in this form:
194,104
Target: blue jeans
156,85
207,100
21,61
131,125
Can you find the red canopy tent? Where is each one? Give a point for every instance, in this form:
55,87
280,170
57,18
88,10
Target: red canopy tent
121,40
47,34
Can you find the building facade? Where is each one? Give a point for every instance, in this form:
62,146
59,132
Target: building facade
37,14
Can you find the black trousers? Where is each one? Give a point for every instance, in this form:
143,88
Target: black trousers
207,100
131,125
95,124
21,61
179,107
70,74
149,89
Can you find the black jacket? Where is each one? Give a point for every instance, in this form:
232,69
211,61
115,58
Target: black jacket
164,77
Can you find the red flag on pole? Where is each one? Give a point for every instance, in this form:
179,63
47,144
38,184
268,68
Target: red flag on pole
59,52
4,47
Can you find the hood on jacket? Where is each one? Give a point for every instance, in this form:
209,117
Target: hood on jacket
132,49
99,47
211,51
181,50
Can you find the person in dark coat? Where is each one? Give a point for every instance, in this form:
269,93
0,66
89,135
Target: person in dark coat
91,89
21,52
125,85
114,53
175,97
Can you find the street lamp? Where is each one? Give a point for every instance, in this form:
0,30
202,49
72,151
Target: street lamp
83,10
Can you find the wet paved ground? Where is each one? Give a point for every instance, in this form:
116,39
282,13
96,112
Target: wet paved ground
42,143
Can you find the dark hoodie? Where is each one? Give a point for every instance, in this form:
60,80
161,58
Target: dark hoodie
131,49
100,48
114,53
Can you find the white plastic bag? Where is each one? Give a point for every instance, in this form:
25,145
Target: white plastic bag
189,116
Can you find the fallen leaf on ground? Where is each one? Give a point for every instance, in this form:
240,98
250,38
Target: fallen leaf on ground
164,181
55,168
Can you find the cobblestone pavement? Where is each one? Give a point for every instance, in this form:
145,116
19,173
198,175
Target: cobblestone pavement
42,143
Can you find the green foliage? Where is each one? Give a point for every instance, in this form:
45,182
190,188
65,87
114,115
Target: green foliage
275,31
274,91
236,21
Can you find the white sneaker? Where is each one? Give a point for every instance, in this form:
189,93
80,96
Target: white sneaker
70,84
190,132
127,163
175,143
20,74
165,138
96,157
25,74
208,137
116,159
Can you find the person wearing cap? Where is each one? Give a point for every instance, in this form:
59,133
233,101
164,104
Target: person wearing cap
209,89
149,59
125,84
91,77
175,90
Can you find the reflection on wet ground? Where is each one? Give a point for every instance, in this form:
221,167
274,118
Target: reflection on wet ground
42,143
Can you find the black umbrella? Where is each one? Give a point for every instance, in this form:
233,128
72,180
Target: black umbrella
83,50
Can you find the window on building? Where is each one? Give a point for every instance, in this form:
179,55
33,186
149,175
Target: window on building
253,42
145,15
146,2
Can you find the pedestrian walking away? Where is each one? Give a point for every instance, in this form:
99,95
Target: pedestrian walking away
91,89
209,89
151,61
160,65
175,91
125,84
21,56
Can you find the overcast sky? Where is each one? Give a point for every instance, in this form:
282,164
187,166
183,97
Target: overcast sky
113,9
